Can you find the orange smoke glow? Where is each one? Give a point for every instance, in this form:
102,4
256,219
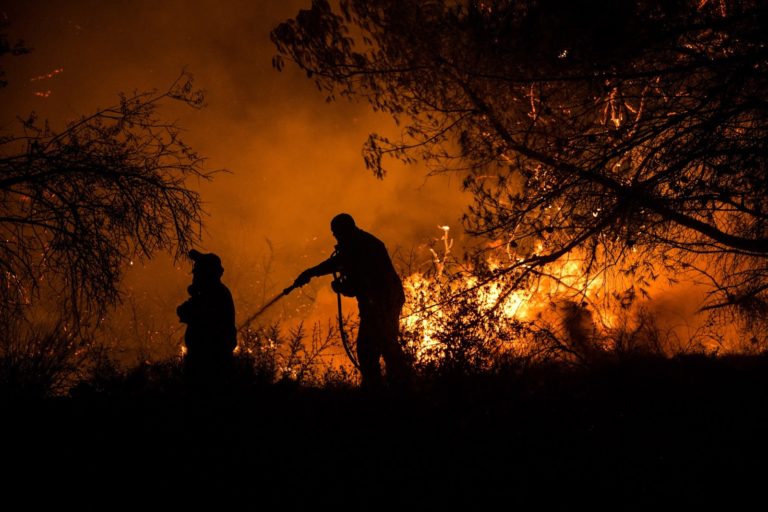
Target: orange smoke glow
294,163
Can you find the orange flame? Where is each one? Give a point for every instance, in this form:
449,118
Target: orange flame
428,297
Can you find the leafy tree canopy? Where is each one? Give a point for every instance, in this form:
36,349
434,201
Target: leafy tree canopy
633,133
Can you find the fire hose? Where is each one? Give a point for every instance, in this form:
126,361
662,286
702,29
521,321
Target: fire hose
342,331
265,307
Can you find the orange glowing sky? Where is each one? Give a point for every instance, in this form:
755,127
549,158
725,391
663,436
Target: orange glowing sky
294,160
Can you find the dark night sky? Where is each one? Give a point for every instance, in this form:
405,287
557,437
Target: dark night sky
293,160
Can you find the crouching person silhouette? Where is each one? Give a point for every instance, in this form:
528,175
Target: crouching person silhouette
366,272
211,335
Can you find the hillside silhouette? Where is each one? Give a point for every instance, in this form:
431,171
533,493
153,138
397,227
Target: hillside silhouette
646,432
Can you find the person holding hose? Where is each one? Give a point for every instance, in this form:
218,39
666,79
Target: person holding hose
365,271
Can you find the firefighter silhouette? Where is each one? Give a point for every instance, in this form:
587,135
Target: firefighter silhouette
209,313
366,273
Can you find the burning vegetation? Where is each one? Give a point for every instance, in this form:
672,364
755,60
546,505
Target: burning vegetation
462,315
611,149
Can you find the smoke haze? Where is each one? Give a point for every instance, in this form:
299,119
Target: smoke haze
293,161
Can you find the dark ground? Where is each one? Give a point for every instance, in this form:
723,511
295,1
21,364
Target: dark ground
641,435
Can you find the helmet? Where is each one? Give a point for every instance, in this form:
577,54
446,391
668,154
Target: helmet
206,263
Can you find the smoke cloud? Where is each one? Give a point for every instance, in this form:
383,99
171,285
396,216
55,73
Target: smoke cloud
292,160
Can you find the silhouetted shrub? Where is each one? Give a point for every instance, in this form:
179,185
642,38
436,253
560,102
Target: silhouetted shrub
40,360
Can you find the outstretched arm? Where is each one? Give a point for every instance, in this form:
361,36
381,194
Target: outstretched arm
328,266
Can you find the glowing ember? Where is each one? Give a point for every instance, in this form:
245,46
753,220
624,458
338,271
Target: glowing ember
47,76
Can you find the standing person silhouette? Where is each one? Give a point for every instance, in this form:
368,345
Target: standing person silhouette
211,335
366,272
